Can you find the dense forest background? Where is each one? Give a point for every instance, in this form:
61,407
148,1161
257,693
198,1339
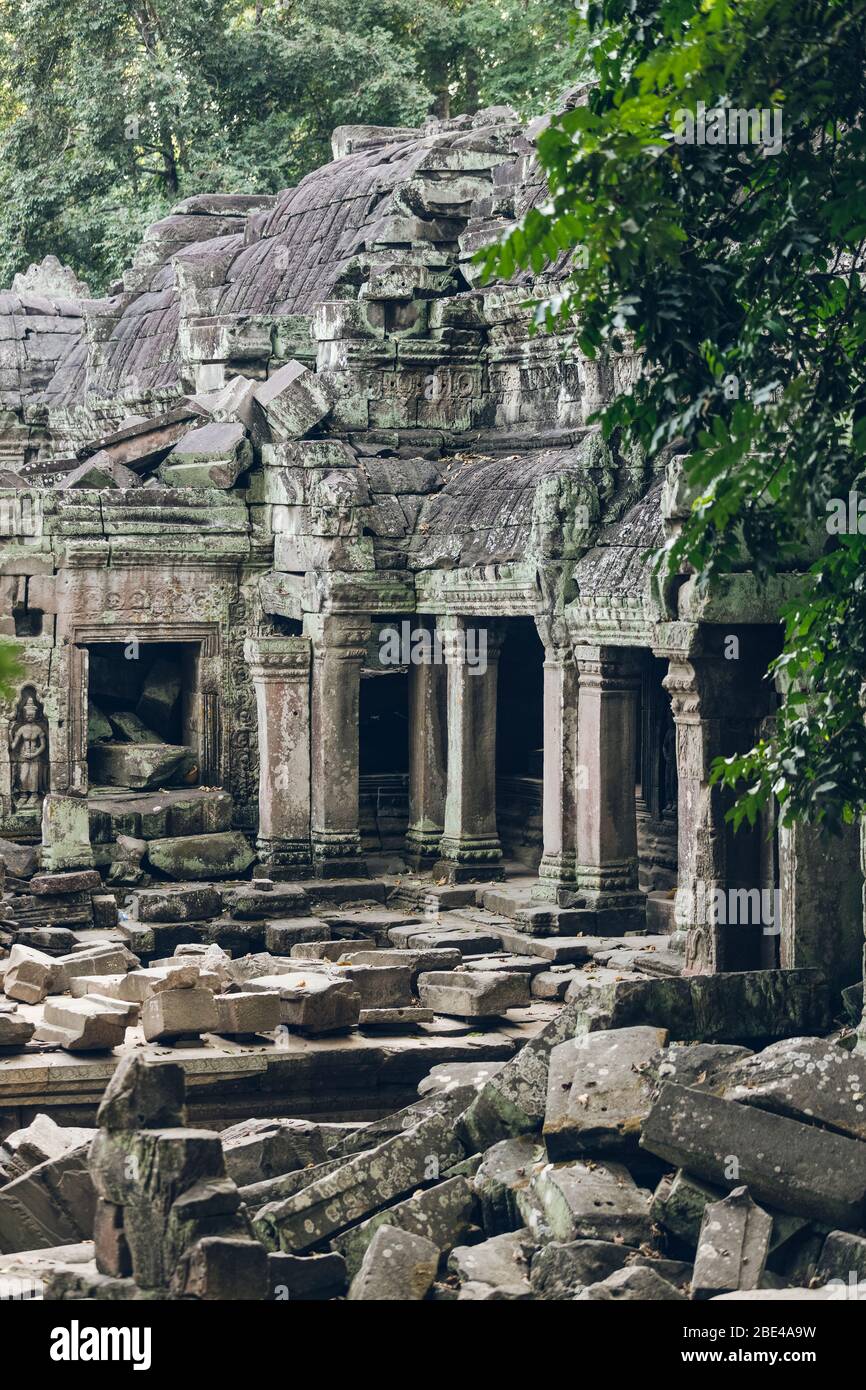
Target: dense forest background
113,110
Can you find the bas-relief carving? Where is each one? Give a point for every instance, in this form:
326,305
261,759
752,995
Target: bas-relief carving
28,751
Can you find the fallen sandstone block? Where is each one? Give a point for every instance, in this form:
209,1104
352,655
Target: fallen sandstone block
444,1214
586,1203
467,994
256,1150
397,1267
312,1001
175,1012
28,975
505,1170
225,854
303,1278
636,1283
793,1166
92,1024
599,1091
194,904
733,1246
808,1079
240,1014
15,1032
51,1204
502,1262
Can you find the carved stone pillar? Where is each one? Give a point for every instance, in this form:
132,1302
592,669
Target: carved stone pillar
717,706
557,871
470,846
339,648
821,902
280,668
428,761
607,878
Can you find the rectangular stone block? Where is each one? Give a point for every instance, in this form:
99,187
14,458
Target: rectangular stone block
473,994
176,1012
239,1014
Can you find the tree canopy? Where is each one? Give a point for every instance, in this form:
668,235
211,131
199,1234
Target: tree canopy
112,112
735,267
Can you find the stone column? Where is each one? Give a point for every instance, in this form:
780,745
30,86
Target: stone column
428,761
339,648
607,882
280,668
470,846
557,877
717,707
821,902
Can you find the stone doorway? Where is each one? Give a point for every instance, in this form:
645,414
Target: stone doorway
383,754
520,743
143,717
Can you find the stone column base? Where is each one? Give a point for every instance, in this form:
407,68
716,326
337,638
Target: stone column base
338,856
422,846
557,880
465,860
280,854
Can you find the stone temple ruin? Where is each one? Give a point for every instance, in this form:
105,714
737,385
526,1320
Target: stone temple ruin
370,925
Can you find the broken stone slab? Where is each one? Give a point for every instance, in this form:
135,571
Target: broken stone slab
395,1016
795,1167
71,881
219,1268
679,1204
39,1142
259,1149
505,1170
361,1186
15,1033
313,1001
586,1202
91,1024
253,902
381,986
139,766
284,934
740,1006
240,1015
54,941
599,1091
501,1261
289,404
226,854
303,1278
29,975
444,1214
448,1076
513,1101
697,1064
635,1283
733,1246
843,1255
65,833
468,943
21,860
397,1267
143,1093
99,471
105,912
416,962
49,1205
809,1079
332,951
214,455
104,958
173,1013
194,904
552,984
556,950
473,995
370,1136
559,1271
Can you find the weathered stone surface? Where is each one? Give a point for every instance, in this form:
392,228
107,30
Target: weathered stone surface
502,1261
842,1255
513,1101
359,1187
443,1214
303,1278
223,1267
469,995
214,455
29,975
448,1076
15,1032
505,1170
174,1012
51,1204
143,1094
795,1167
737,1007
679,1204
37,1143
599,1091
259,1149
72,881
312,1001
92,1024
140,766
397,1267
637,1283
289,403
105,958
65,833
20,860
241,1014
560,1271
807,1079
223,855
732,1247
194,904
697,1064
253,902
283,935
381,986
589,1203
